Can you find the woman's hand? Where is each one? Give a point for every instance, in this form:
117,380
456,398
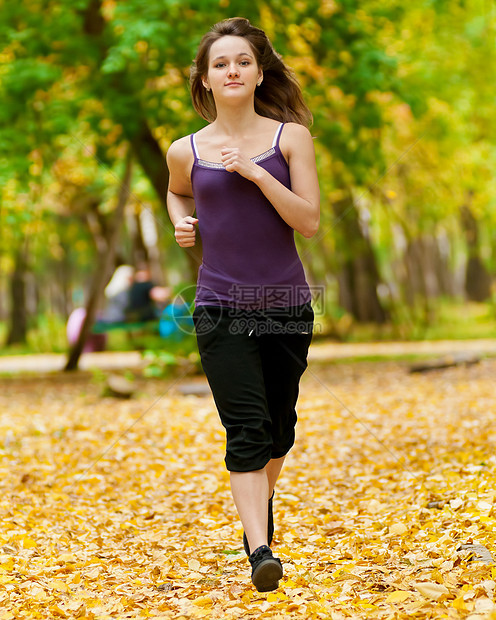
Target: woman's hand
236,161
185,231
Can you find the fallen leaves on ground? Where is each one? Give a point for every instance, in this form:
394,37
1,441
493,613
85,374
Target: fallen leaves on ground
122,509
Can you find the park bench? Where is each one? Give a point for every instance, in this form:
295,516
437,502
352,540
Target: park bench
174,324
103,327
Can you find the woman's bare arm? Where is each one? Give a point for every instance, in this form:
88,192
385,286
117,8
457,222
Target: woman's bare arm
180,203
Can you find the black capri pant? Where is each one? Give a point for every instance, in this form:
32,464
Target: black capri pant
253,360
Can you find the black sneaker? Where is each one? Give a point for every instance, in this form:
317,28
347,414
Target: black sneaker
266,570
270,529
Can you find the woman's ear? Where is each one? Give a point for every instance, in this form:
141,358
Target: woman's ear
260,77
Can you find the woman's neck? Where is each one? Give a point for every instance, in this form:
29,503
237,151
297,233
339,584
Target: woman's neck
233,121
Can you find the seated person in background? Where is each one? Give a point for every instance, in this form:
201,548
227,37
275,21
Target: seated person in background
144,295
117,295
116,302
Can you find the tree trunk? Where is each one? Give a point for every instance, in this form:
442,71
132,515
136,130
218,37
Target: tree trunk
419,284
428,272
477,278
148,233
150,157
105,264
18,311
146,149
359,277
65,282
140,250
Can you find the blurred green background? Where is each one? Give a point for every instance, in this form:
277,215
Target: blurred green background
404,123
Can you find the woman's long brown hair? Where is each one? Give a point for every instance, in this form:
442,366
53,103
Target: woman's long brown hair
279,96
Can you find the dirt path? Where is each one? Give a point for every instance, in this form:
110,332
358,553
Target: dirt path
320,351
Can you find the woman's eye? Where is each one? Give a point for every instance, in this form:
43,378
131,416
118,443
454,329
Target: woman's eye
219,65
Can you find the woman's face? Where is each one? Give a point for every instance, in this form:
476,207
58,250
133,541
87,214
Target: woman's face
232,68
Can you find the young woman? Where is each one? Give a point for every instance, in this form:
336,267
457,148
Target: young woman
250,176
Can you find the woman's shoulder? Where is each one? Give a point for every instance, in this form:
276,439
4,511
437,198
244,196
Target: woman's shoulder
296,131
180,150
295,138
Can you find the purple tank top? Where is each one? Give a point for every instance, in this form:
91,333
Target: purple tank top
249,253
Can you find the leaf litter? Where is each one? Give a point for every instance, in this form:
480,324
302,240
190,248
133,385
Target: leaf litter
386,508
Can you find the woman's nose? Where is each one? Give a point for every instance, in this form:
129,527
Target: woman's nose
233,70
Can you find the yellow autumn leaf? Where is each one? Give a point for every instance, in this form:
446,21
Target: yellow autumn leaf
430,589
94,573
459,604
484,507
398,529
59,585
28,543
66,558
38,593
374,506
203,601
456,503
194,565
7,564
6,579
398,596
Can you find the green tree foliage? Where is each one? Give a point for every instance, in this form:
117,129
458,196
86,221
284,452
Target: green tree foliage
402,106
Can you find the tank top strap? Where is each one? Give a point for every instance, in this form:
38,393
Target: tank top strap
277,136
194,147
